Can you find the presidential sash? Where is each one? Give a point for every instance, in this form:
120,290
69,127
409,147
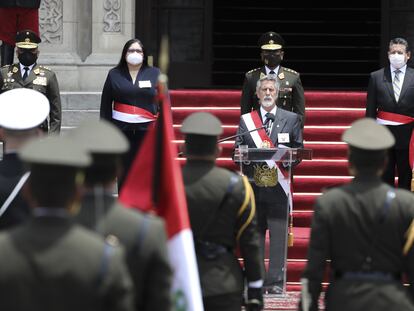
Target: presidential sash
131,114
263,175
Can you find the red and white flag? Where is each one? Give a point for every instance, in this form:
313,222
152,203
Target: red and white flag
155,183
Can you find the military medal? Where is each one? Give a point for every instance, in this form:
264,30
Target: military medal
9,74
264,176
281,76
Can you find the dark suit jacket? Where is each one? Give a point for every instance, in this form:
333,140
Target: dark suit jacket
380,96
291,94
51,264
30,4
11,170
205,187
346,229
285,122
144,239
41,79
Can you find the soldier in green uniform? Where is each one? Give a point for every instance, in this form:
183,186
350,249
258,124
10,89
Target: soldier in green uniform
222,215
291,95
366,229
49,263
28,74
142,235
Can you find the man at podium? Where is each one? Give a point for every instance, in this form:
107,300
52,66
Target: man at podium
271,127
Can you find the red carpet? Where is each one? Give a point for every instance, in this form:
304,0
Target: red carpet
328,114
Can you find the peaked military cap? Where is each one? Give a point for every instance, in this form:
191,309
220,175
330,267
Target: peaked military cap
23,109
366,134
202,123
27,39
271,41
55,150
100,136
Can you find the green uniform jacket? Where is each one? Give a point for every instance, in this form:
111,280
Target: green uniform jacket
205,186
50,264
40,79
354,228
291,94
145,241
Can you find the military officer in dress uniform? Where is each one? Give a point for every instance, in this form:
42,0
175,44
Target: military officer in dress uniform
222,215
142,235
366,229
16,129
50,263
28,74
291,95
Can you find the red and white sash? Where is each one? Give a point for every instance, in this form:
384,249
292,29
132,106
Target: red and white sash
260,138
131,114
390,118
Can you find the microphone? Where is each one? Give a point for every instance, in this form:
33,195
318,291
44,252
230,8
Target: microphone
270,117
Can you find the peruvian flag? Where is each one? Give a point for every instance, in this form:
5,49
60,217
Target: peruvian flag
155,183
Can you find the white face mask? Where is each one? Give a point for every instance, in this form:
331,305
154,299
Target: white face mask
397,60
134,58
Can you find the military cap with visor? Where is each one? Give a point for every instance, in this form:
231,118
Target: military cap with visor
271,41
368,135
202,130
27,39
23,109
100,137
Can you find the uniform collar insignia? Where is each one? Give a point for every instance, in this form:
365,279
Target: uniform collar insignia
15,69
36,71
281,76
262,75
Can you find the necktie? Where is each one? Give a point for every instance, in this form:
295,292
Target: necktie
396,84
269,117
272,72
26,73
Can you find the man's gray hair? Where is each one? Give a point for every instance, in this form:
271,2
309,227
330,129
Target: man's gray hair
269,77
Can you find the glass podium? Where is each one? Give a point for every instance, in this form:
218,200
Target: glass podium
269,171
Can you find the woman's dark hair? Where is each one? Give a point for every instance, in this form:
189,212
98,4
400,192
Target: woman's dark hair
122,62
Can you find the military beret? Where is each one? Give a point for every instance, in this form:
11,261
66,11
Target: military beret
27,39
202,123
22,109
271,41
366,134
55,150
100,136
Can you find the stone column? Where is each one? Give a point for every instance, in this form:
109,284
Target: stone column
83,39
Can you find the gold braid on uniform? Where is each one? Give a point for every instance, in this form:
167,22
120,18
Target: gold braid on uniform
248,198
410,238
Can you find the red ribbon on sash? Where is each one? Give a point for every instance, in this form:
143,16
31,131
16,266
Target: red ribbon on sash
401,119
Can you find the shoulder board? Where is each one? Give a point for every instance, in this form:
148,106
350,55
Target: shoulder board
44,67
253,70
290,70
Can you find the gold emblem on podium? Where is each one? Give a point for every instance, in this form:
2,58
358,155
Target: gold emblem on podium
266,144
264,176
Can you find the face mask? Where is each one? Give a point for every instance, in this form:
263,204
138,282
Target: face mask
134,58
27,58
272,60
397,60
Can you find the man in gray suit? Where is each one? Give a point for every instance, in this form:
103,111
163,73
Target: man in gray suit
269,181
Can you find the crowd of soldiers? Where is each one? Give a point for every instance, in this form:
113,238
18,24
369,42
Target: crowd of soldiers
67,243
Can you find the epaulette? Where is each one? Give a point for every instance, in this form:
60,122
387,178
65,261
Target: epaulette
253,70
44,67
291,71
